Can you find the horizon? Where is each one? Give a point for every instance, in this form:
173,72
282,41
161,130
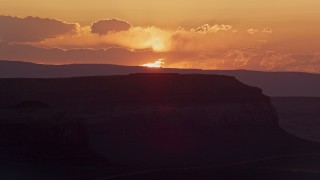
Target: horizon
156,68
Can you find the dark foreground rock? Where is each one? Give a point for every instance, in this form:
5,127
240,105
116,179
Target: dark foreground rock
154,120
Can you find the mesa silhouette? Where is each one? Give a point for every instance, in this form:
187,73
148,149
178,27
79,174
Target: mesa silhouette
148,120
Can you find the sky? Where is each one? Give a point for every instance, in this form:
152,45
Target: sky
280,35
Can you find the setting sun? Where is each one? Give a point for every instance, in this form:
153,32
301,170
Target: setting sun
157,43
157,64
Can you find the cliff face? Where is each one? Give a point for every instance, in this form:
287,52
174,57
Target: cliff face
148,118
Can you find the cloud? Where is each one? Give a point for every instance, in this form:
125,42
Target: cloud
246,58
252,31
117,42
239,58
204,38
32,29
267,30
222,37
109,25
135,38
119,56
255,31
276,61
212,29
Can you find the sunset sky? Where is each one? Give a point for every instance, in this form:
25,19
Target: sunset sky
282,35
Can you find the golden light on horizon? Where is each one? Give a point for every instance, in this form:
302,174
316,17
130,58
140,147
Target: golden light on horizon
157,64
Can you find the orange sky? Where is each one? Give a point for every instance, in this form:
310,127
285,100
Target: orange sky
167,12
209,34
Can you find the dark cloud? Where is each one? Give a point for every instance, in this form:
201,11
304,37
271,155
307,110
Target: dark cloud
32,29
119,56
109,25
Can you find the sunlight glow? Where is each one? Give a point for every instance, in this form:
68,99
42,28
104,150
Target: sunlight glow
157,64
157,43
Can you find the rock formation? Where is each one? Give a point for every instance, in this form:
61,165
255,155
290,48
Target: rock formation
146,119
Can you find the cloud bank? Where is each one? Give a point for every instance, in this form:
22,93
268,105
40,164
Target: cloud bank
34,54
115,41
31,29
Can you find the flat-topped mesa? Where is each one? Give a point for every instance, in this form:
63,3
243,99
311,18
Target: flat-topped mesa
188,88
148,118
134,89
220,95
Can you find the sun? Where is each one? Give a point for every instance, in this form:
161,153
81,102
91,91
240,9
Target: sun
157,44
157,64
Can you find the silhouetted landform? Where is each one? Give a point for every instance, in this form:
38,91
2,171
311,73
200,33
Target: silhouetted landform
288,84
149,120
